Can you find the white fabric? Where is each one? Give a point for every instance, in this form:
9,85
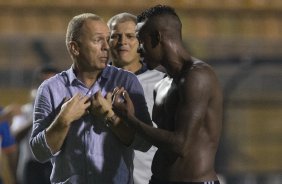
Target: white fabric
143,161
21,122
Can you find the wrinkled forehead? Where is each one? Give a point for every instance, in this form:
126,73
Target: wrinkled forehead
124,26
95,27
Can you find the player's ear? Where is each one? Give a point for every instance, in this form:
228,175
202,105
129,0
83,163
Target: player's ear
156,37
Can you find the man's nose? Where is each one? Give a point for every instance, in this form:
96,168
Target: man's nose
122,39
106,45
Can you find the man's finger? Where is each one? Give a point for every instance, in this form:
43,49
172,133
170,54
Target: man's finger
85,99
97,95
109,97
77,96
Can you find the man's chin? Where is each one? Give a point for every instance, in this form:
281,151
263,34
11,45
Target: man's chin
102,66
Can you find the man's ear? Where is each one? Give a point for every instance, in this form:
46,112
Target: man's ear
155,38
74,48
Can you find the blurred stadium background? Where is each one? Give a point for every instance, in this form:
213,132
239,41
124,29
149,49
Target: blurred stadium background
241,39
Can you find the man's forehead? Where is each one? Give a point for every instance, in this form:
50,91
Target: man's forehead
106,34
100,33
124,29
95,24
100,29
117,23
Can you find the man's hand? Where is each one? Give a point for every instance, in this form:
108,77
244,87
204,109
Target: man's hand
102,107
73,109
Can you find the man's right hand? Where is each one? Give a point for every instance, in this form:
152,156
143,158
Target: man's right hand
73,109
102,106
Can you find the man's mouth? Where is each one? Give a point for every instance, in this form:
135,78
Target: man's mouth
104,58
122,50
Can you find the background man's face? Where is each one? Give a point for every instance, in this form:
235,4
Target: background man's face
123,43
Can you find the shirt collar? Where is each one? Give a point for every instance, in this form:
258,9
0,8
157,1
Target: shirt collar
142,69
72,77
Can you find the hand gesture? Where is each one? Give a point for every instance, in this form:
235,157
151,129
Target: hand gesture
102,107
74,108
122,103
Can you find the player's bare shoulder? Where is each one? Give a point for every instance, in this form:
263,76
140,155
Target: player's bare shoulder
200,71
199,78
201,66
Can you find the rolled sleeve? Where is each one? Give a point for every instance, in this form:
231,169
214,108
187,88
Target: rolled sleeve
40,147
42,119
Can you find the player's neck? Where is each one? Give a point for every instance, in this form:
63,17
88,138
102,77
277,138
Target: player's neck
178,67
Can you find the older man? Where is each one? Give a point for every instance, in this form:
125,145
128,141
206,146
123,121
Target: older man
85,147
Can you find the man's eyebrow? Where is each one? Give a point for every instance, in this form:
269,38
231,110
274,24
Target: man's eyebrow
121,32
102,34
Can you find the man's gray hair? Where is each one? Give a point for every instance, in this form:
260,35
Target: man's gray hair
75,25
120,18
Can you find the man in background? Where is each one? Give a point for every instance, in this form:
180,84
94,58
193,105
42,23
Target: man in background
123,46
30,171
8,146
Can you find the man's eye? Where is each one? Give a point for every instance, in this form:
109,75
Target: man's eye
100,40
97,40
131,36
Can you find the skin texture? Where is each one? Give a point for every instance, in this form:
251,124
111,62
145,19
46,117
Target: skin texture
187,108
123,45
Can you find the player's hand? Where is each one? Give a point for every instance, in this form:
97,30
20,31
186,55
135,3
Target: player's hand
74,108
122,103
102,107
